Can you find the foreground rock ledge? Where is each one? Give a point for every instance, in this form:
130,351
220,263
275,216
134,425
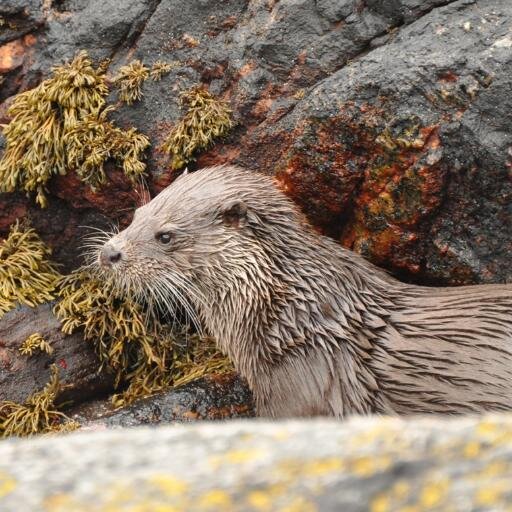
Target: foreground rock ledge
374,464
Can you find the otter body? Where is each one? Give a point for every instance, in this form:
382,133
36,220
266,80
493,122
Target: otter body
314,328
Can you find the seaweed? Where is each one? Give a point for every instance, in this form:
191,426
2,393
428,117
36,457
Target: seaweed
95,140
35,342
58,126
145,355
160,68
130,79
206,119
37,415
142,352
26,275
201,357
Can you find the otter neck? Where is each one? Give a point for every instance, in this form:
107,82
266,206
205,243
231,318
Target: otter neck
282,310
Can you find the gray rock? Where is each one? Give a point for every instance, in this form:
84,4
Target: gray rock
22,375
376,464
19,17
215,397
437,214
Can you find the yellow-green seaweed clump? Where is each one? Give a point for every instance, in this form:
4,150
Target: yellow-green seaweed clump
95,140
201,357
161,68
131,343
37,415
26,275
48,132
129,340
35,342
130,79
207,118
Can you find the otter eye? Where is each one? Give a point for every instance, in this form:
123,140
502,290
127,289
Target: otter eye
164,238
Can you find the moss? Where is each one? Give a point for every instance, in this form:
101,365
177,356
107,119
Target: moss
160,68
206,119
26,275
130,79
37,415
61,125
35,342
129,340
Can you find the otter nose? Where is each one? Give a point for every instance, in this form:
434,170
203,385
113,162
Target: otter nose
109,255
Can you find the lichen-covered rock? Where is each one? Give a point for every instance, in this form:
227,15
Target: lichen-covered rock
365,464
387,122
402,155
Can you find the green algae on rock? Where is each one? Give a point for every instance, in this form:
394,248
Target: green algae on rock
207,118
61,125
37,415
26,275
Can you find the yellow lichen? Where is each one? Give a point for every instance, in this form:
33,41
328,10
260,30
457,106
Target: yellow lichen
207,118
55,128
130,340
434,493
130,79
168,485
215,499
7,484
37,415
161,68
26,275
33,343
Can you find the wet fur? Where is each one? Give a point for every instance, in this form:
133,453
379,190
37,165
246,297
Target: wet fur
314,328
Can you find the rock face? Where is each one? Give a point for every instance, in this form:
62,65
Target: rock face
389,123
22,375
375,464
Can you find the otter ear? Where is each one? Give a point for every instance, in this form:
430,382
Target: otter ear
234,214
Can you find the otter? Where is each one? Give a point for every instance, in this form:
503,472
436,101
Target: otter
313,327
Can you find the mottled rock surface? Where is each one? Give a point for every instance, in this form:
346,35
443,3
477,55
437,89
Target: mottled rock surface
215,397
366,464
22,375
389,123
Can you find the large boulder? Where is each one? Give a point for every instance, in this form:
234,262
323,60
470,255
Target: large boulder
375,464
387,122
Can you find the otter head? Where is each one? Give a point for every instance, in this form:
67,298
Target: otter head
205,238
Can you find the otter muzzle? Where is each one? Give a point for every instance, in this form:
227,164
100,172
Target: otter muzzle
109,255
